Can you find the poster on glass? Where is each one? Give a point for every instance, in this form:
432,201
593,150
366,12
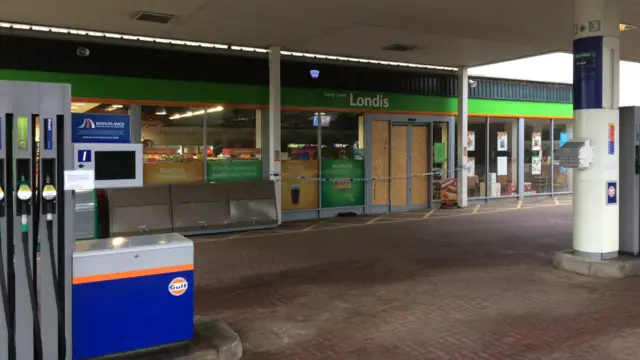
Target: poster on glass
536,141
471,141
502,165
536,165
471,167
502,141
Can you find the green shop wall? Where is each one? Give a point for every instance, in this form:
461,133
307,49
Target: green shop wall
157,90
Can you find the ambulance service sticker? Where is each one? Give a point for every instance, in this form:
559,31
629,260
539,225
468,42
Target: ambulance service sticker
178,286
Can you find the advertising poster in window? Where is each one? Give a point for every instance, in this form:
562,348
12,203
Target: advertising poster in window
297,193
502,165
338,189
100,128
471,167
234,170
536,165
167,172
471,141
536,141
502,141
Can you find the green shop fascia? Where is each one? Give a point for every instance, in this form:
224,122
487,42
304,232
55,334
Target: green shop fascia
98,88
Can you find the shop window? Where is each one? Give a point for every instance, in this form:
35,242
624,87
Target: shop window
233,145
537,156
299,154
503,157
173,147
562,177
342,165
477,157
178,150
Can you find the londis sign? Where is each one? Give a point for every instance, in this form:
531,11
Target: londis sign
355,100
376,102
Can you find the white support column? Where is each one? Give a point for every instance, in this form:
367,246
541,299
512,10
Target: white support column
135,123
462,125
513,149
596,49
259,129
275,167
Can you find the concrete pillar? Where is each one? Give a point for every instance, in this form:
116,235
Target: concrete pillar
275,167
520,153
462,125
596,49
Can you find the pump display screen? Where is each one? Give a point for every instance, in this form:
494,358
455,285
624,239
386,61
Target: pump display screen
115,165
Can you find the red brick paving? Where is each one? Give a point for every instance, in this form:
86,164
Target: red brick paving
469,287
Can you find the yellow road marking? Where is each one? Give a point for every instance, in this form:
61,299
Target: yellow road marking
475,211
389,221
556,200
519,204
426,216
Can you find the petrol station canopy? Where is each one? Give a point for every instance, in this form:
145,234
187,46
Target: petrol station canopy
438,32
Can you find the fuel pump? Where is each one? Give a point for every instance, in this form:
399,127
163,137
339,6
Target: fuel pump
35,299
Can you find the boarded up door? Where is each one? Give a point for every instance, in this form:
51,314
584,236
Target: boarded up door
380,161
419,161
399,165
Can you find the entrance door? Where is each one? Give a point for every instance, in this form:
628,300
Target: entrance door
409,166
399,166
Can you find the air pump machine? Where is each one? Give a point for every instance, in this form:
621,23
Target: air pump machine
61,299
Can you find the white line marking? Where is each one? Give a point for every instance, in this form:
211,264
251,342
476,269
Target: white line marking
372,221
390,221
426,216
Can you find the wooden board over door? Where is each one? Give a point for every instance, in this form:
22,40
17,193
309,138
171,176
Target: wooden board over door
380,161
399,165
419,165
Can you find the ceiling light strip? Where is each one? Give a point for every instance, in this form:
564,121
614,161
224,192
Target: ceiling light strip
108,35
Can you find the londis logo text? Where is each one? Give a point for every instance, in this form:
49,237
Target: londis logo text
178,286
378,101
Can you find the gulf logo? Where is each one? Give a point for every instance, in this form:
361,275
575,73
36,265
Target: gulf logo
612,191
178,286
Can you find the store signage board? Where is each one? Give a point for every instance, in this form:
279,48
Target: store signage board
587,73
100,128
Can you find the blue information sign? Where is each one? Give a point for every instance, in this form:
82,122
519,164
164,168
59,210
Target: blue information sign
84,156
100,128
48,134
587,73
612,192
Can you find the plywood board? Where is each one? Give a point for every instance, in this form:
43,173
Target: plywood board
380,161
419,165
399,165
